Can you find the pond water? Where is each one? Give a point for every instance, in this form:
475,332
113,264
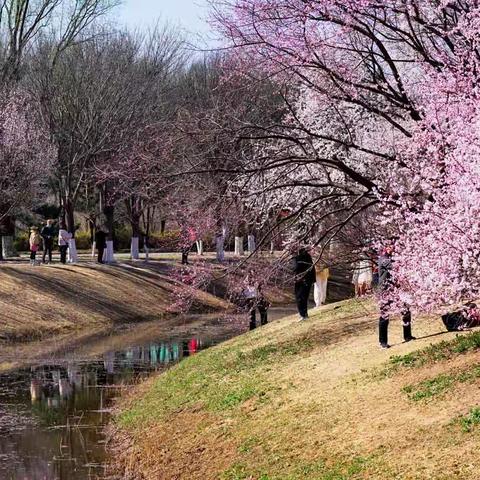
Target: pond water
53,412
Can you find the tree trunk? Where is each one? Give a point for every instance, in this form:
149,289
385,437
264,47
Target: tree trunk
145,249
91,229
199,247
109,211
220,241
239,251
8,249
135,241
68,215
7,228
72,251
251,243
134,248
147,226
109,256
163,224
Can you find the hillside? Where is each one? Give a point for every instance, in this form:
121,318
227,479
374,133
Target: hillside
316,400
37,302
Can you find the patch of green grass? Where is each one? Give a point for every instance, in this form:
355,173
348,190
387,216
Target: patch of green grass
429,388
471,420
436,352
436,386
347,470
470,374
248,445
219,379
236,397
235,472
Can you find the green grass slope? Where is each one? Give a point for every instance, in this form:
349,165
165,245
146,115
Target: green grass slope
316,400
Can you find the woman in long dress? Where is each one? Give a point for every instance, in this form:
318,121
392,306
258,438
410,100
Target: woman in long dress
362,277
321,283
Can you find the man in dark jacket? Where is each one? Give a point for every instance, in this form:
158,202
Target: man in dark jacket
101,243
47,233
304,271
385,281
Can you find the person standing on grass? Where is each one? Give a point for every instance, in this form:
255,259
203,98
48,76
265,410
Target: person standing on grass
385,282
304,271
63,238
101,243
254,299
48,234
362,277
322,275
34,241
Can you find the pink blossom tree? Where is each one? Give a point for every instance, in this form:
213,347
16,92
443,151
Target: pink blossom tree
382,114
26,154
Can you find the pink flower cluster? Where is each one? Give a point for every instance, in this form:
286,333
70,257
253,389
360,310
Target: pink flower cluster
400,80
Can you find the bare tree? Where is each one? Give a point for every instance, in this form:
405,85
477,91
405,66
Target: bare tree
140,170
98,98
214,109
22,22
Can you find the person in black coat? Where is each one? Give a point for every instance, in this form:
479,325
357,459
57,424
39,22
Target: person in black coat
385,281
304,271
101,243
48,234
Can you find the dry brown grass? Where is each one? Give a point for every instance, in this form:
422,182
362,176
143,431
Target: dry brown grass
321,408
36,302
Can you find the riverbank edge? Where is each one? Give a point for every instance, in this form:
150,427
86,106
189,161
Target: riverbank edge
241,410
122,441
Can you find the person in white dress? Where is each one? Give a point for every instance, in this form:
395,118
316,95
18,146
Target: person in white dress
362,277
63,238
321,283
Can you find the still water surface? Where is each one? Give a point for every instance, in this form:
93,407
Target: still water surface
53,412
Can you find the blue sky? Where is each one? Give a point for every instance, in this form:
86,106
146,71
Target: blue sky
189,14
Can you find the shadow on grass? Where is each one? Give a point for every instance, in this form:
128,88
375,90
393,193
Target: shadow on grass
65,289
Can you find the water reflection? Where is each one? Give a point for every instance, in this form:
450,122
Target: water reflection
67,404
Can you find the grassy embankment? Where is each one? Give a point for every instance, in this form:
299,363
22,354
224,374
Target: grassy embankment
317,400
36,302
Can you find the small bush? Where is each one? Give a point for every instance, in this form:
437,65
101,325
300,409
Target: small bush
471,420
21,242
165,242
82,240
